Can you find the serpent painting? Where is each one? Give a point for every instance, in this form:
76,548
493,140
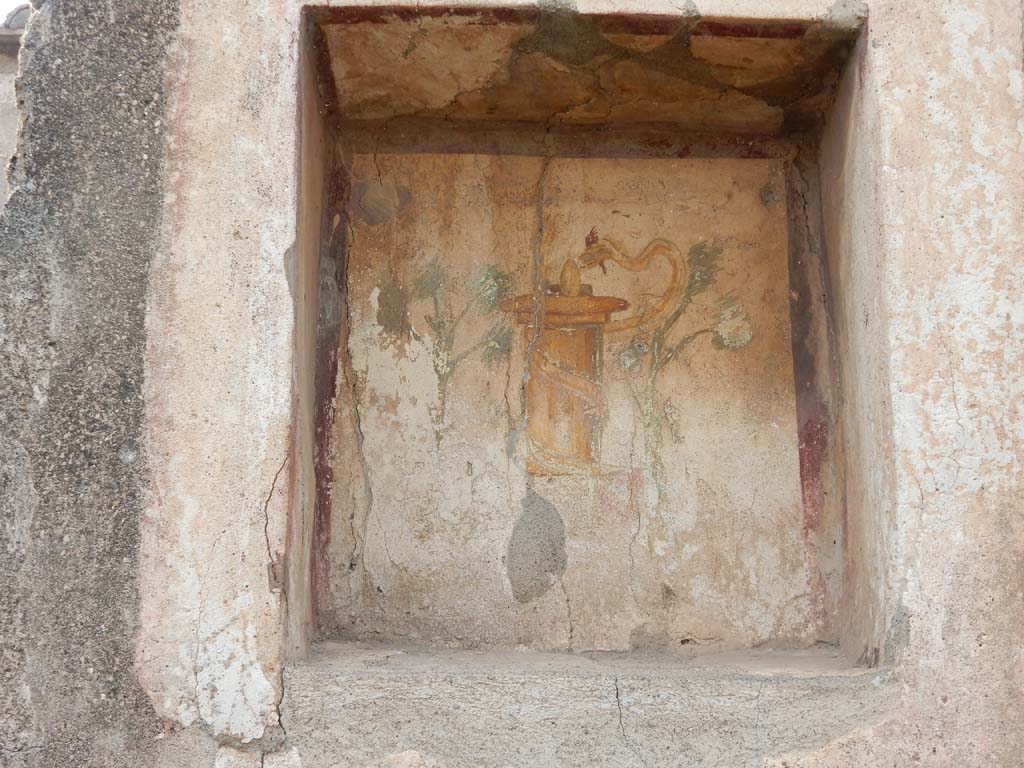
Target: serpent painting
565,326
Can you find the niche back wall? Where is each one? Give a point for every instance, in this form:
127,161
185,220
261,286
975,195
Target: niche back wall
567,416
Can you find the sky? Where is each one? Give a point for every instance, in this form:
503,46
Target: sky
6,6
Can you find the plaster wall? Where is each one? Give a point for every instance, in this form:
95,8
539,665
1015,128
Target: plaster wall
306,275
212,639
680,69
977,52
849,161
219,373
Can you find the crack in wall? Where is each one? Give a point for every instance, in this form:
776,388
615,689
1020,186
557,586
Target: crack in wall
510,449
376,149
622,726
956,407
357,557
276,578
758,708
538,290
277,582
195,654
568,615
634,504
279,705
199,613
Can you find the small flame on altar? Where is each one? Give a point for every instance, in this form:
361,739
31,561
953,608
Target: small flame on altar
569,279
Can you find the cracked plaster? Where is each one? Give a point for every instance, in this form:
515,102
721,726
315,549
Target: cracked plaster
890,243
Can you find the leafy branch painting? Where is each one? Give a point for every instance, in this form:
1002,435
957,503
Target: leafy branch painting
649,352
455,334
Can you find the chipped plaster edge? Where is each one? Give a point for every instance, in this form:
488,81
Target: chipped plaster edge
218,362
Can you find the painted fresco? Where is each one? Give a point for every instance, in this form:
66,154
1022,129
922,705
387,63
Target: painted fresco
698,76
566,414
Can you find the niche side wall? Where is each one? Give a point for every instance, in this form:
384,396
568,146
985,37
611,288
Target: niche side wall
855,258
295,574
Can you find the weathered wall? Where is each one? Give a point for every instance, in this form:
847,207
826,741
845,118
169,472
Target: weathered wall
11,29
674,68
77,237
465,709
855,251
219,374
927,253
8,114
305,282
221,327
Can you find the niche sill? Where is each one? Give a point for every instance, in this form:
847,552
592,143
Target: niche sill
357,703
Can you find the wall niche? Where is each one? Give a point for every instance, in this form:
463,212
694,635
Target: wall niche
569,346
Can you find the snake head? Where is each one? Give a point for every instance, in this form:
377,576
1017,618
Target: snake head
593,256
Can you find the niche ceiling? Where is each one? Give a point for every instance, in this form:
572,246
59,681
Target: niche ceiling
748,78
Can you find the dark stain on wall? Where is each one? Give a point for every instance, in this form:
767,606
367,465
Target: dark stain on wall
330,343
393,311
814,439
379,201
536,552
813,379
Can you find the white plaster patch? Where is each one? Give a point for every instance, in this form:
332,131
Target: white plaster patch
229,757
234,693
289,758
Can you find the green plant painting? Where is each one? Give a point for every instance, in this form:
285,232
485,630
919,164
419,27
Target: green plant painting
455,317
647,354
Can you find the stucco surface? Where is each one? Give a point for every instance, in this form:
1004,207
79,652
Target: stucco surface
927,256
219,340
211,647
848,158
554,65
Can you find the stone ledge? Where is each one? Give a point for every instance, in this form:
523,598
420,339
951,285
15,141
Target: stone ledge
355,704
